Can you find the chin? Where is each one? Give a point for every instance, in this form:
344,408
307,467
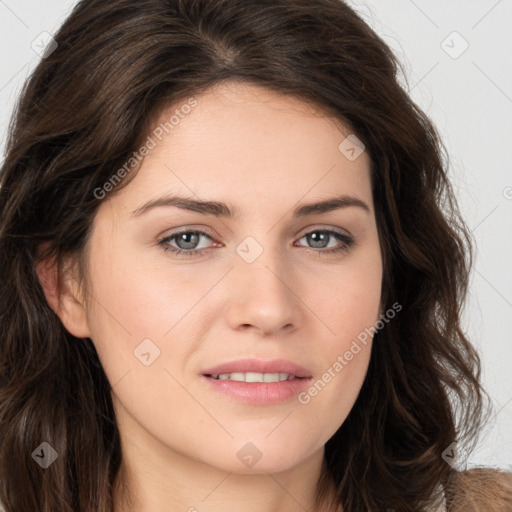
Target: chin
261,457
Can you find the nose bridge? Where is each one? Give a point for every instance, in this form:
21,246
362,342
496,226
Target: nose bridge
262,266
263,296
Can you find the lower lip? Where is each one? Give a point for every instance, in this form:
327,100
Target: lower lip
259,393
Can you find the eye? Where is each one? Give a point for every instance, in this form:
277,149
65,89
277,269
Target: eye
188,242
320,240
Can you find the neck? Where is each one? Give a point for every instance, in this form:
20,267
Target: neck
190,486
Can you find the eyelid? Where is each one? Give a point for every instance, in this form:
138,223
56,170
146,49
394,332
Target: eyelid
321,227
304,231
185,229
346,240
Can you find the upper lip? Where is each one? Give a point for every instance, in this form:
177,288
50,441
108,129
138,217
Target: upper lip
258,366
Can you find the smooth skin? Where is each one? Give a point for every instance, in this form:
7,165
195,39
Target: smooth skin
263,154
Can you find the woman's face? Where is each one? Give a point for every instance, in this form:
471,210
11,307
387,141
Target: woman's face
262,287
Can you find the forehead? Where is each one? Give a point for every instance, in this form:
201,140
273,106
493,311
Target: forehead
249,143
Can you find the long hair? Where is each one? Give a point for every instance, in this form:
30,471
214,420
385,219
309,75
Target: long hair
84,111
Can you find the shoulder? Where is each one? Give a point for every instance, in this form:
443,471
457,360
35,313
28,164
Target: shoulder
479,489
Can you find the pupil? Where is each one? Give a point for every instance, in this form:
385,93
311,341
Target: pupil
182,238
317,237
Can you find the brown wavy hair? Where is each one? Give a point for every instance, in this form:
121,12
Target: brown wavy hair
82,113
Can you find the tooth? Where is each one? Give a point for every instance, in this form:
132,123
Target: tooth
253,377
237,376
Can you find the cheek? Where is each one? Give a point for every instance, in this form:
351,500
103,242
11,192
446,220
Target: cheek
351,313
346,296
136,299
348,304
136,290
331,397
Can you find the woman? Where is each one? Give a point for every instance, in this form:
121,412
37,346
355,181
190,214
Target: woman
227,278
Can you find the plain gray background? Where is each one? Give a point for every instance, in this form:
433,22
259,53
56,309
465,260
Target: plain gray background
458,61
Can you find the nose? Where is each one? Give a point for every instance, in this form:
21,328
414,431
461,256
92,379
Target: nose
264,295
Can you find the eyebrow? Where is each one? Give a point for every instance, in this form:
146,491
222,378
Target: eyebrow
219,209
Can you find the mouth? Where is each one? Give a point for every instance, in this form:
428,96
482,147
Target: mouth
254,377
258,382
257,370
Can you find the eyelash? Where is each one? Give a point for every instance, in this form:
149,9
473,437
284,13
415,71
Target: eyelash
347,242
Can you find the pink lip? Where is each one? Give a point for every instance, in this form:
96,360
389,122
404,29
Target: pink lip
259,366
259,393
